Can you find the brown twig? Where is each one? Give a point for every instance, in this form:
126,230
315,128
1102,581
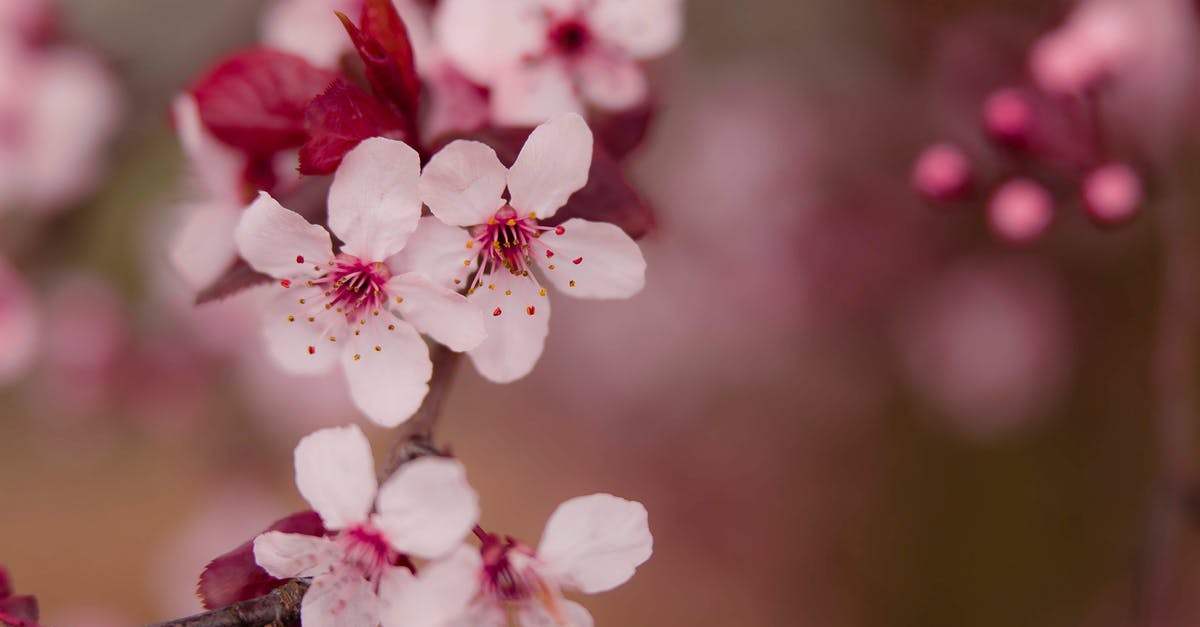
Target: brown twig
1174,380
414,439
277,608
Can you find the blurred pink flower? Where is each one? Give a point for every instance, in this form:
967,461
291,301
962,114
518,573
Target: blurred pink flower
987,345
424,510
20,324
942,172
542,57
1112,193
1020,210
505,243
591,544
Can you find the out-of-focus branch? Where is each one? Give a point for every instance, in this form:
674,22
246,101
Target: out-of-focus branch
413,439
1174,381
277,608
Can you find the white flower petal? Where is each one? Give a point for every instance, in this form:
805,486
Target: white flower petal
342,598
594,543
463,183
642,28
288,555
298,345
482,37
565,614
610,264
553,164
387,367
335,473
427,508
531,93
515,337
440,252
308,28
203,248
612,83
374,203
440,313
217,167
278,242
439,597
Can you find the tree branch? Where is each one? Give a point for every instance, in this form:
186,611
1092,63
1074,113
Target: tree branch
414,439
1174,381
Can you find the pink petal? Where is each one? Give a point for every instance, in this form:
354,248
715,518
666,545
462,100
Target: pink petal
335,473
593,260
529,94
463,183
553,164
439,251
568,614
374,203
642,28
18,324
438,312
203,249
438,597
342,598
217,167
288,555
483,37
308,28
427,508
594,543
387,367
279,242
612,83
515,337
298,345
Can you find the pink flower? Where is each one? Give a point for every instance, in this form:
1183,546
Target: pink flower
542,57
463,186
350,306
1112,193
591,544
309,28
19,324
1020,210
424,510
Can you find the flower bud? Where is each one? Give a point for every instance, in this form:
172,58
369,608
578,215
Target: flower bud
1112,193
1008,117
1020,210
941,173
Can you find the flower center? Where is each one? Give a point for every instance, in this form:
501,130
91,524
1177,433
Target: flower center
365,547
570,37
508,242
510,576
354,287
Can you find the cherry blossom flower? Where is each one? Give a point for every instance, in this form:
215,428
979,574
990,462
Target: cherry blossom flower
58,105
542,57
424,510
353,306
591,544
19,324
505,239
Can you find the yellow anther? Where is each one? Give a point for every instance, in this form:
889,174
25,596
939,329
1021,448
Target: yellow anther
511,222
291,318
508,292
470,244
491,286
377,349
572,284
357,357
391,327
399,299
542,292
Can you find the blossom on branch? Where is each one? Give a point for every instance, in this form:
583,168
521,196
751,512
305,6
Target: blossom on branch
424,511
504,241
353,306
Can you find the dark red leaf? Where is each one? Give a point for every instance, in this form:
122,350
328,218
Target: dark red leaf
239,277
338,120
609,196
24,608
621,132
381,40
255,100
6,589
235,576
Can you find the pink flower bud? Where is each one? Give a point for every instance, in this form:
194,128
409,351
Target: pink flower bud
1112,193
942,172
1008,116
1020,211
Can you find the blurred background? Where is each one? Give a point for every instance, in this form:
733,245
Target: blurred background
842,407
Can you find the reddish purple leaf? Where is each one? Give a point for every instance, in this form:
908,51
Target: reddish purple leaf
383,45
24,608
255,100
6,588
235,576
608,196
621,132
338,120
239,277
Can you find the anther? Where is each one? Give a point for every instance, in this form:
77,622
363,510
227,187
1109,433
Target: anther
497,312
299,258
577,260
285,283
559,230
529,310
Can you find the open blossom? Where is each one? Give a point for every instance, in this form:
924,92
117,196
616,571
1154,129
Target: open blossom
505,240
352,306
424,511
542,57
591,544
